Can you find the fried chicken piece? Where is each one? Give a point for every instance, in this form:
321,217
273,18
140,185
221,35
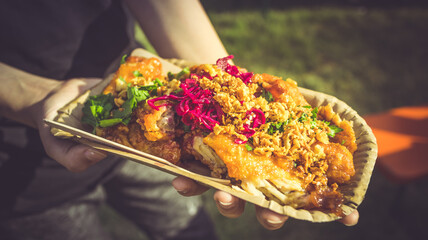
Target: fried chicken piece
282,91
156,124
193,145
117,133
340,163
166,149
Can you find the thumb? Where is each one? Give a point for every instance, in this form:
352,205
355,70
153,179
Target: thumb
75,157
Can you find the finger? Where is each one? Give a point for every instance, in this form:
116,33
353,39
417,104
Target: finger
269,219
187,187
229,205
351,219
75,157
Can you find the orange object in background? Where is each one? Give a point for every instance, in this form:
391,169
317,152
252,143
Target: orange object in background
402,137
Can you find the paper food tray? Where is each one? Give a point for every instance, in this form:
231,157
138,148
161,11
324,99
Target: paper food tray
67,125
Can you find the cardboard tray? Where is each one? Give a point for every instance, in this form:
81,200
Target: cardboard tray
67,125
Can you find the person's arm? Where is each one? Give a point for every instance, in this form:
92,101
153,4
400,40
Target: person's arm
21,92
28,99
178,29
181,29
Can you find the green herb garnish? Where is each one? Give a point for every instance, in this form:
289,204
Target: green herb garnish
170,76
97,108
248,147
123,80
303,117
137,73
267,95
314,113
333,130
123,59
183,72
100,110
277,127
158,82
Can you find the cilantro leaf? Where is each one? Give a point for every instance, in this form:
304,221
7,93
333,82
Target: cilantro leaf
314,113
97,108
333,130
277,127
248,147
267,95
303,117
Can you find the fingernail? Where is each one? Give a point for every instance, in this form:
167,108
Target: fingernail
274,222
349,224
225,204
183,191
181,188
95,156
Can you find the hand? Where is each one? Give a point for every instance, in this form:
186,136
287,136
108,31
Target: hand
232,207
75,157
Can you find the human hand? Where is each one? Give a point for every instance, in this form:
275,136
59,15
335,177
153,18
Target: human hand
232,207
75,157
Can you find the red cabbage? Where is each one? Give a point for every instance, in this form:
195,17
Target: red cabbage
194,105
233,70
257,118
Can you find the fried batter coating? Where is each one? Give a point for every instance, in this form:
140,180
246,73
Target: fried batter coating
167,149
282,91
340,163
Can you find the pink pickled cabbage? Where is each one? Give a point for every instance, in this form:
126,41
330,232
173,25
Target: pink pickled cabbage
257,118
233,70
194,105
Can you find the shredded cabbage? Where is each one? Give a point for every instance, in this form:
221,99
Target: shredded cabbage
194,105
233,70
256,118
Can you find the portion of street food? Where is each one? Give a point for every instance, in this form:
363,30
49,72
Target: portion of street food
254,129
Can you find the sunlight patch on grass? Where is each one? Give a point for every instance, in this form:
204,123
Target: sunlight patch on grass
349,53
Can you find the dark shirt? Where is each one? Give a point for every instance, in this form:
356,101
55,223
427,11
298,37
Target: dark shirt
58,39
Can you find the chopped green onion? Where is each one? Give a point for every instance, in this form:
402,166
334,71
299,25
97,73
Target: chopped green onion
123,59
183,72
303,117
110,122
158,82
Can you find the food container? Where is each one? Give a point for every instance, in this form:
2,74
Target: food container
67,125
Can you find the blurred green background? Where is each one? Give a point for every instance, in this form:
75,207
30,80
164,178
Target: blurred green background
370,54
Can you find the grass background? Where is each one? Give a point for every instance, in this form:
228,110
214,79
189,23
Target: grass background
371,54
